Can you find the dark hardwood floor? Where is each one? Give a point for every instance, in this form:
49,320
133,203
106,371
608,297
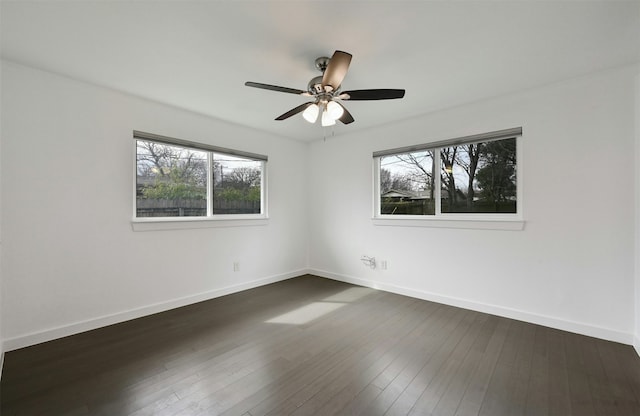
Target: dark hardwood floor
311,346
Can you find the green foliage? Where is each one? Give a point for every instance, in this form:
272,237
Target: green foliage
180,180
172,190
234,194
229,194
254,194
497,176
170,176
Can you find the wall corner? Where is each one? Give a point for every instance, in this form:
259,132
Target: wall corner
636,320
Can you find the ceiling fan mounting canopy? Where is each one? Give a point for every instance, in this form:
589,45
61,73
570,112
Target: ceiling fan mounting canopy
322,63
325,89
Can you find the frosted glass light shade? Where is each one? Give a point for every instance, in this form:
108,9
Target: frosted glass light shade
327,120
311,113
335,110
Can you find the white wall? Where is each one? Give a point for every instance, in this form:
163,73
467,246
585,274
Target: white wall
70,260
637,224
572,267
1,314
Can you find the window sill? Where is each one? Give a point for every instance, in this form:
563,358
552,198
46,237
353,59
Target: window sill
503,224
160,224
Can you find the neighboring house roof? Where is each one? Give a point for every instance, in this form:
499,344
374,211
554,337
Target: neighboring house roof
392,193
404,194
416,195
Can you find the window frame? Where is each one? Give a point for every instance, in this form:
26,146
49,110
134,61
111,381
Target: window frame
210,219
498,221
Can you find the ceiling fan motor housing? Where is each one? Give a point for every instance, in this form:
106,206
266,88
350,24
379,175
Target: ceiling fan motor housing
315,85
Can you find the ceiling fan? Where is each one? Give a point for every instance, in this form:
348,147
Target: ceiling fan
325,90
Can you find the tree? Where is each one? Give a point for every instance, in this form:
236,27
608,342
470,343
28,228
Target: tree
241,178
170,172
173,190
420,170
497,176
385,180
396,181
448,156
241,183
468,159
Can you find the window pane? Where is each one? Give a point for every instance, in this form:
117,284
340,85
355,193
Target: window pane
236,185
406,184
479,177
171,181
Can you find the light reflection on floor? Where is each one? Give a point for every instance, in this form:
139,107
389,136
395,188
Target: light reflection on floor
349,295
315,310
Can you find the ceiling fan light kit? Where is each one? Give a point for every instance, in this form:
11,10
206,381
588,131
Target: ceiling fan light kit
325,90
334,110
311,113
327,120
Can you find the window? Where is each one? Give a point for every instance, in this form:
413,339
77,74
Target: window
176,178
474,177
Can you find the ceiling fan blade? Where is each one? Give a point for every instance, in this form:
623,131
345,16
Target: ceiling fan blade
346,117
336,70
276,88
381,94
294,111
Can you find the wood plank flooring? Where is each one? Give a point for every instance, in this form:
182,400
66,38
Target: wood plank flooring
311,346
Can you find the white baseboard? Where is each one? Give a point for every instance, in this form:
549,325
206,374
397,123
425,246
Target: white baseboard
551,322
90,324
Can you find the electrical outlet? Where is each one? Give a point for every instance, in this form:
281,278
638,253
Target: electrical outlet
236,266
369,261
383,265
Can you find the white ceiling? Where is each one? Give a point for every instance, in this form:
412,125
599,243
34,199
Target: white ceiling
197,54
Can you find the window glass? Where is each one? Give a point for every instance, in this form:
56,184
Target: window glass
171,181
236,185
468,178
178,181
479,177
407,184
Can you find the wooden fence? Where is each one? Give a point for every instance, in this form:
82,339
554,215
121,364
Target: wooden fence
146,207
427,207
